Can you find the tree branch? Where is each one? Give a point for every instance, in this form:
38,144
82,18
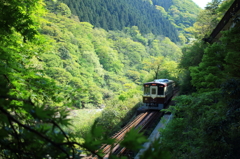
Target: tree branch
15,132
32,130
55,124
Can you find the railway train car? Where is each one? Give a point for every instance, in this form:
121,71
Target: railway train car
157,94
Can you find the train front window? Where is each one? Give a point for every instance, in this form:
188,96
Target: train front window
146,90
154,91
161,90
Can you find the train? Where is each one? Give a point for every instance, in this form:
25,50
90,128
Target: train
157,94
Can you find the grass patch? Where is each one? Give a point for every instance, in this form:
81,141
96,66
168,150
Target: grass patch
82,121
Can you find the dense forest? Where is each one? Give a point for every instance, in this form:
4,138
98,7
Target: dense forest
182,14
115,15
54,61
157,17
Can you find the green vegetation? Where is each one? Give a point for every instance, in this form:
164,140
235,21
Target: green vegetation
28,126
52,63
182,14
160,17
206,118
81,121
99,65
116,15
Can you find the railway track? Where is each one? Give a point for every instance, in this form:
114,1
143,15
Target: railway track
142,122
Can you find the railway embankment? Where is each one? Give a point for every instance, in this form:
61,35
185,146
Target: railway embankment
155,134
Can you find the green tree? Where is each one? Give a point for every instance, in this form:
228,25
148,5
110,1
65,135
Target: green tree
169,70
154,64
29,125
59,74
63,9
231,52
52,60
208,75
170,49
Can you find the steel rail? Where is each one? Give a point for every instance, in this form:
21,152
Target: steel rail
142,126
120,135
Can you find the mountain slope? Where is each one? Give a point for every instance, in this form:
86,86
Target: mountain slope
181,13
115,15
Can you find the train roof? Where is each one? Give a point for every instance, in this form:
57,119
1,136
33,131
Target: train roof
160,81
163,80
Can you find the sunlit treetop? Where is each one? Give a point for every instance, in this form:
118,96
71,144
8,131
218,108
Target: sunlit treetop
21,16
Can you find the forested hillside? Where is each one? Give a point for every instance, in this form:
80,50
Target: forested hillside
115,15
160,17
91,59
182,14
